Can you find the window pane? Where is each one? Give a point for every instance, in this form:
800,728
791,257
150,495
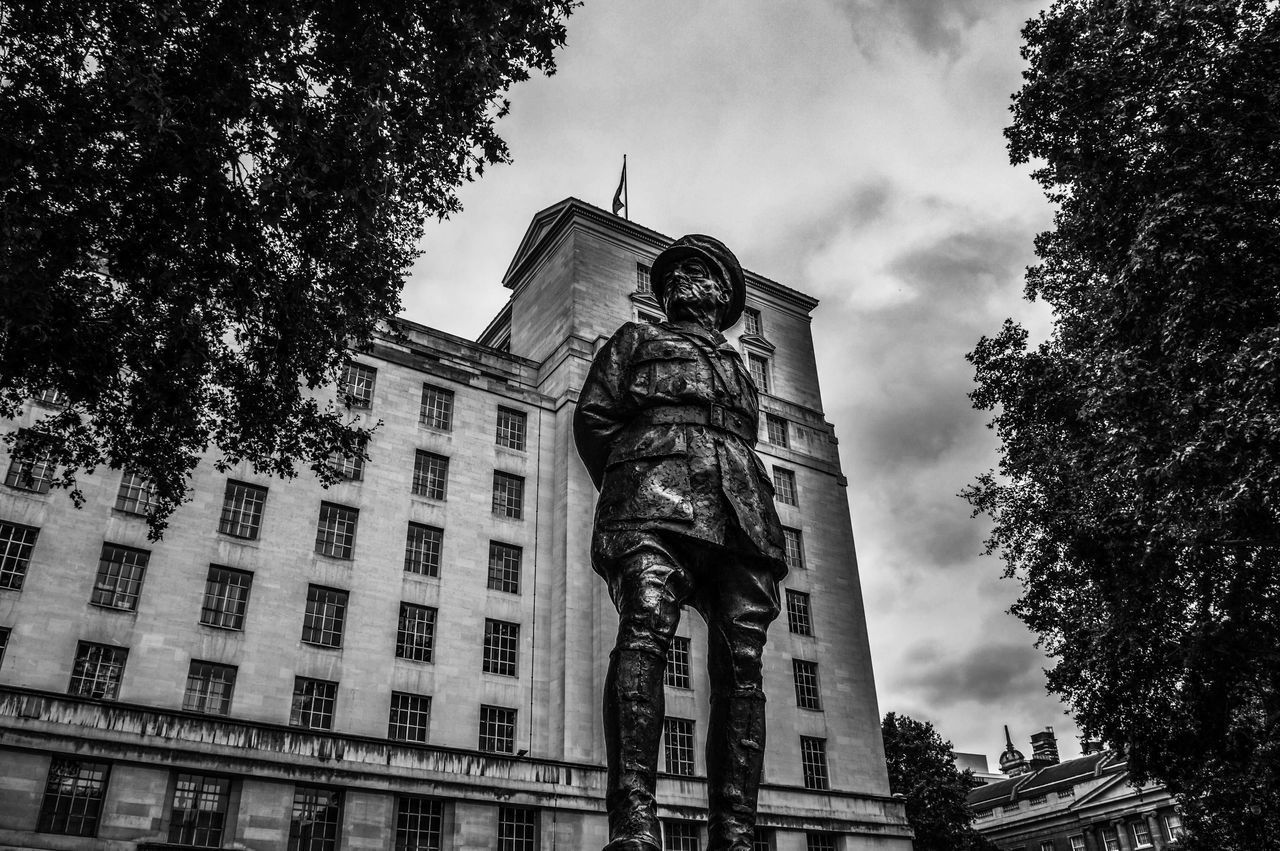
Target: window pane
430,474
643,284
678,663
209,688
511,428
16,544
776,431
784,484
813,761
504,567
357,385
437,407
336,530
517,829
120,574
415,637
326,612
794,548
199,810
501,645
418,824
751,322
316,819
136,494
242,510
410,717
73,796
798,617
97,670
226,596
679,836
806,676
313,702
497,729
422,550
29,471
759,368
508,495
677,735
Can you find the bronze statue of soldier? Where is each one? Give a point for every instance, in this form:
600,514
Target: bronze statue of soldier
666,424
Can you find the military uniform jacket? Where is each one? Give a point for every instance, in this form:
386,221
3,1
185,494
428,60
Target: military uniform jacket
665,424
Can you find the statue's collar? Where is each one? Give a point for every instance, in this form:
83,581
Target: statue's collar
715,338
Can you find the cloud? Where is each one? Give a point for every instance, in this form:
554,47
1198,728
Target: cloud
938,27
990,673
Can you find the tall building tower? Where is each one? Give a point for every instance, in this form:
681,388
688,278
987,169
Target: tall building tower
414,658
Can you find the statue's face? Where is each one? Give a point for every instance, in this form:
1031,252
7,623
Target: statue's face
694,292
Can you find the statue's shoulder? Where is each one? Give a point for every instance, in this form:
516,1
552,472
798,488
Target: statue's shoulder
632,334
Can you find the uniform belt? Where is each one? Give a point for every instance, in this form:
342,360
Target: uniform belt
713,415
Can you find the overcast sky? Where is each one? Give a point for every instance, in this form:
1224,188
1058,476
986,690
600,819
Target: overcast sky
851,149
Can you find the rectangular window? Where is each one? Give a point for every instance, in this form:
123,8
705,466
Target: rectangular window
422,550
1173,826
678,663
53,397
136,494
501,647
679,836
1141,834
763,840
497,729
317,819
4,643
97,671
677,736
416,634
242,510
508,495
784,484
120,574
357,385
643,284
326,612
16,544
813,762
336,530
73,796
209,688
1077,843
793,543
199,812
751,323
437,408
807,694
819,842
511,428
799,620
776,431
430,474
410,717
226,596
349,468
758,366
517,829
313,702
504,567
1046,846
29,471
1110,839
419,824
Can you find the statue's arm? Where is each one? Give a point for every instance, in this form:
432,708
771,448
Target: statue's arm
602,411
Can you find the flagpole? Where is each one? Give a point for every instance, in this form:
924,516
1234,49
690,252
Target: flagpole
626,190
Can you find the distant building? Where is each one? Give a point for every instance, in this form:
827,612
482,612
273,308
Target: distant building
1084,804
414,658
977,764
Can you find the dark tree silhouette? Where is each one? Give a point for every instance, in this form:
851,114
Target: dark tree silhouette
1138,495
204,204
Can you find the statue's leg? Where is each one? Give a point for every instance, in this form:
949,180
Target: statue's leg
738,609
648,589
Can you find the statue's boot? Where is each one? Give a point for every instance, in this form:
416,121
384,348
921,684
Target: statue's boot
633,710
735,758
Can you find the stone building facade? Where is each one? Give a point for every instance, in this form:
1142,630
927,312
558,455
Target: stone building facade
413,658
1083,804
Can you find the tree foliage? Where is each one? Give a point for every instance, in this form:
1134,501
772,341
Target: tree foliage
1138,494
204,204
922,770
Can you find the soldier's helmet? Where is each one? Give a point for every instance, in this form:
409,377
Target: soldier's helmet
721,261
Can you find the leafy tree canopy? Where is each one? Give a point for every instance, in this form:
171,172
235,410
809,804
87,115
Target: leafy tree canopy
204,204
1138,495
922,770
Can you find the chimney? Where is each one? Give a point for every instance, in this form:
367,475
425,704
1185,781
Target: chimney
1044,749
